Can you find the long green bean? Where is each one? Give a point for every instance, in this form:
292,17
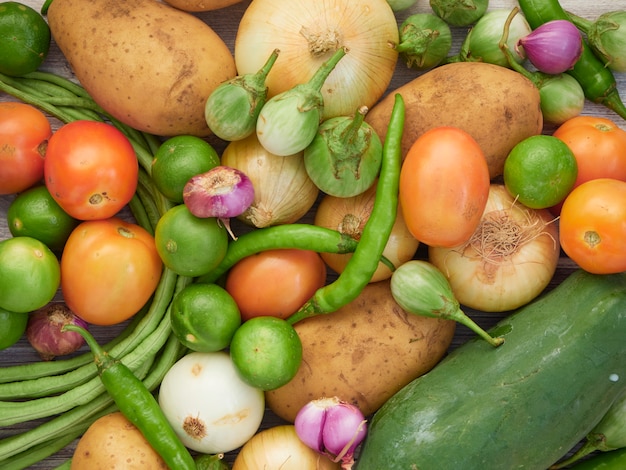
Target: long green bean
18,412
88,413
53,384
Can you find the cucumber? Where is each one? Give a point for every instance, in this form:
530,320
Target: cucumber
521,405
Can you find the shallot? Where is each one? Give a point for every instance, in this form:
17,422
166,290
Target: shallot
44,331
333,427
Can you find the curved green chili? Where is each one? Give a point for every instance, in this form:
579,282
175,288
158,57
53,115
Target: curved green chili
596,80
138,405
302,236
364,262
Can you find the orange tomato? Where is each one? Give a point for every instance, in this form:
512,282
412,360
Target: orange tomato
444,186
90,169
24,131
109,270
275,282
592,226
599,146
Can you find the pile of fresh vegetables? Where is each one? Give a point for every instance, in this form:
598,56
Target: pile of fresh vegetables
157,192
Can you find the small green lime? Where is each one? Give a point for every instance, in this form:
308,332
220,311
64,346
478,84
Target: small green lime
204,317
12,327
35,213
189,245
177,160
267,352
540,171
30,274
24,39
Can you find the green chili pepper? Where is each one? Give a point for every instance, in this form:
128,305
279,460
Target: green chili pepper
596,80
361,267
138,405
302,236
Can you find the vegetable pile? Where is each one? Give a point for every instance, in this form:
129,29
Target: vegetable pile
322,239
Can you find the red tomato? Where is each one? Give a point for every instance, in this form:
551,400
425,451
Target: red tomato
592,226
444,186
24,131
90,169
109,270
599,146
275,282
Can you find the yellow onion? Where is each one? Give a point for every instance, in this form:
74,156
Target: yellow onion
348,215
509,260
307,33
280,447
283,191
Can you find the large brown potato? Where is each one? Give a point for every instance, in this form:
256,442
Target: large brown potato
113,442
149,65
495,105
201,5
363,353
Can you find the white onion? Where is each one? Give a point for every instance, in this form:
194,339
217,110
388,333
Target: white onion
307,32
211,409
283,190
509,260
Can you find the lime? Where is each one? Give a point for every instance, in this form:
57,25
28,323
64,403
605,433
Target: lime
266,351
24,39
34,213
204,317
12,327
540,171
29,274
189,245
177,160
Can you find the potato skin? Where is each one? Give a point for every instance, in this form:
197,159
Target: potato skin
363,353
201,5
111,442
495,105
149,65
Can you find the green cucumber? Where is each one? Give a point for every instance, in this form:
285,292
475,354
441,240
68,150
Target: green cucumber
521,405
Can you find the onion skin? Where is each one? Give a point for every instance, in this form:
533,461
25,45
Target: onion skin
283,193
359,79
280,447
44,331
554,47
348,216
221,192
491,282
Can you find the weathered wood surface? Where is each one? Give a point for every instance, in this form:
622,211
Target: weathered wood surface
225,23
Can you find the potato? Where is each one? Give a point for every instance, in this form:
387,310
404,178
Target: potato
495,105
363,353
113,442
147,64
201,5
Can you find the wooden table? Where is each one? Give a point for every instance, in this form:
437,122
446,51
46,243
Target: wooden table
225,23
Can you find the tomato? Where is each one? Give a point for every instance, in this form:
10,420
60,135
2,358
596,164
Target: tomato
275,282
90,169
444,186
24,132
592,226
599,146
109,270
